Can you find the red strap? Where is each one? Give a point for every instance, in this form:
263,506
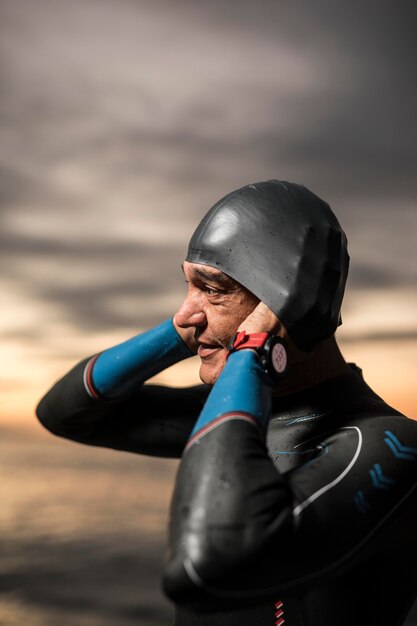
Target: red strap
253,340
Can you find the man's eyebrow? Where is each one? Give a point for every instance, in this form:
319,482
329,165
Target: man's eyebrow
218,277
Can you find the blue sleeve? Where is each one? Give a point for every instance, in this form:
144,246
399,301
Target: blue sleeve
117,370
242,390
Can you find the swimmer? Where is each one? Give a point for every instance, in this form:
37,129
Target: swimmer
295,500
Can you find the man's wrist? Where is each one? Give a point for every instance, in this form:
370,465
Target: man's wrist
270,349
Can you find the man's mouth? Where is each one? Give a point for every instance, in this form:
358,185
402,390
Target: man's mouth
207,349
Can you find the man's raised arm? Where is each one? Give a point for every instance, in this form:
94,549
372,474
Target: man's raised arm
102,400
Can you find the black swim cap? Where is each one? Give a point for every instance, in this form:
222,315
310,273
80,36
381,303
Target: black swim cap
286,246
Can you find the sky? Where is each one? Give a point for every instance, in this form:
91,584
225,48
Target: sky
122,122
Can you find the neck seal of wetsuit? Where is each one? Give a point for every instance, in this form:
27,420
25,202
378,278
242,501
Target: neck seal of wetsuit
285,245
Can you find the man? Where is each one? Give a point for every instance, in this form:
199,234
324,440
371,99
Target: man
295,500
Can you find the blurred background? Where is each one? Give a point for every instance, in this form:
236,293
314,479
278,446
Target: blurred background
121,123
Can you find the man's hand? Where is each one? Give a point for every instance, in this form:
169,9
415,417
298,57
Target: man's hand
261,320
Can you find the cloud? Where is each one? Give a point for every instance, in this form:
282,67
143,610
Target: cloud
121,123
97,285
290,92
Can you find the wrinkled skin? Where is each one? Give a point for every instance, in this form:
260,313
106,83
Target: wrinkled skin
215,307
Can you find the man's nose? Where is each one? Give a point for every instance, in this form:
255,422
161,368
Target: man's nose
191,312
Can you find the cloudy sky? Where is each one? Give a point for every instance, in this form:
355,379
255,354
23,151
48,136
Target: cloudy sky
123,121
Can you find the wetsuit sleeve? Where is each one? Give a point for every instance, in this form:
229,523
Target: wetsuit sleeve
103,401
242,532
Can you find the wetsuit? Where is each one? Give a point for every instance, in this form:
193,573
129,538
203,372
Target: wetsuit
295,510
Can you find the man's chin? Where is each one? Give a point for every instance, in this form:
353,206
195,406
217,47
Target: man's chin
211,369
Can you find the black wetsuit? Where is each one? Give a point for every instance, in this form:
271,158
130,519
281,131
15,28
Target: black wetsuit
315,527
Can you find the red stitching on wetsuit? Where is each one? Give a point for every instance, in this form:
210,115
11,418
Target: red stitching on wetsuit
88,377
279,612
214,423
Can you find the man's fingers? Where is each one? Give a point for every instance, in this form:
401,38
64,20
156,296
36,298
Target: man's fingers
261,320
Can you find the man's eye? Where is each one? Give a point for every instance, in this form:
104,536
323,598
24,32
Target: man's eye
211,291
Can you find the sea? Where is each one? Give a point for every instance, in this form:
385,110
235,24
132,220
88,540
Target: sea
82,533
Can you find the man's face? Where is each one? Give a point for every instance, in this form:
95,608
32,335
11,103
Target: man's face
215,306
